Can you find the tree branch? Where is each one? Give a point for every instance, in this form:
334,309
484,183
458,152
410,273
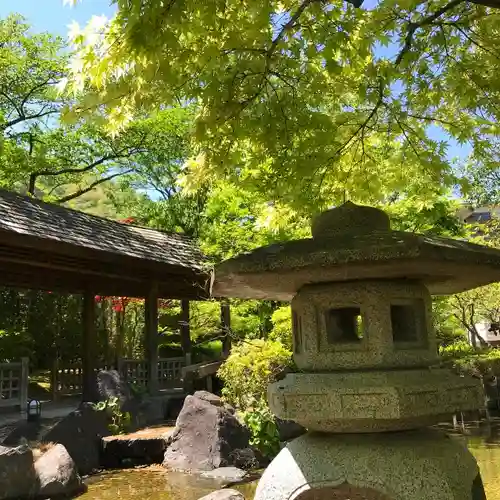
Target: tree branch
87,168
287,26
412,27
23,118
91,186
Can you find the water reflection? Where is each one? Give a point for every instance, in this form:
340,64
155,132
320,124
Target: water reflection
483,440
152,484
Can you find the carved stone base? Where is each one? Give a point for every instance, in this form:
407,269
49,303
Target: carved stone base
373,401
411,465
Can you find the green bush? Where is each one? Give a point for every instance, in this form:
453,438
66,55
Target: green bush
282,326
459,349
119,421
249,369
262,426
470,361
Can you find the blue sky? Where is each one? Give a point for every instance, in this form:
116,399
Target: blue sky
52,15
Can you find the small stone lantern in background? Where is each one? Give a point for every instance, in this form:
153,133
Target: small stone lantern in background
33,410
364,345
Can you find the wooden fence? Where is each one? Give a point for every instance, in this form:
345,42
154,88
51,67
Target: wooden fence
14,384
68,379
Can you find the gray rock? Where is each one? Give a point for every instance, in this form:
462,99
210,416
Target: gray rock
151,411
22,431
288,429
226,475
208,396
248,458
111,385
80,433
141,448
205,437
57,473
224,494
17,473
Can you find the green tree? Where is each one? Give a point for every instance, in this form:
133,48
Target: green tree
43,157
313,101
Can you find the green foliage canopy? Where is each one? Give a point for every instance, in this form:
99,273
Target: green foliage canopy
315,101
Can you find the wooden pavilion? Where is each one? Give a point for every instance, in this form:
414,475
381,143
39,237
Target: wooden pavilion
49,247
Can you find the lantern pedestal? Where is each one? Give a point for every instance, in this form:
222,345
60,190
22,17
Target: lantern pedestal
407,465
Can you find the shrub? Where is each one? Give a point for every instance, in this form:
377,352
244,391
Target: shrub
119,420
458,349
249,369
263,430
282,326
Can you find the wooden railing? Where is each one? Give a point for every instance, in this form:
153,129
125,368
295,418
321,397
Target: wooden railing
68,379
134,371
14,384
170,372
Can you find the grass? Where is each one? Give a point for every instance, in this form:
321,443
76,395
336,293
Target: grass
39,385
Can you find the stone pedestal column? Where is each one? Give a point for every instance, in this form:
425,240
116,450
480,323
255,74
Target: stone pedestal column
407,465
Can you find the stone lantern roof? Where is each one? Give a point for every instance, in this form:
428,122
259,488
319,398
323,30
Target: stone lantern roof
353,242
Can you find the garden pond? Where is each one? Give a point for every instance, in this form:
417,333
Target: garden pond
154,483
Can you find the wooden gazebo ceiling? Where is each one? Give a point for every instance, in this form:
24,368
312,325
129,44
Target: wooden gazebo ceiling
54,248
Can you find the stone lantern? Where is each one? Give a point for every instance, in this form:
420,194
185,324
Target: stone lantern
367,387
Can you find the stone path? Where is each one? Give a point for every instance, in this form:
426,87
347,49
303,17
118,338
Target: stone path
50,410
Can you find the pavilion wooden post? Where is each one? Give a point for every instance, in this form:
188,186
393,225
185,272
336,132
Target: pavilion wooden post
151,337
185,331
225,321
89,390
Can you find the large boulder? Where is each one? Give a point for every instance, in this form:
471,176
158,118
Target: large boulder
205,437
80,433
56,473
17,473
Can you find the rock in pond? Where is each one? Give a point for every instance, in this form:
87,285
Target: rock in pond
224,494
17,473
146,446
226,475
205,437
56,473
80,433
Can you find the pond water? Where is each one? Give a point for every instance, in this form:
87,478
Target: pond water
156,484
153,484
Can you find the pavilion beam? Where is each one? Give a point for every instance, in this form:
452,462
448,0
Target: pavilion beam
89,341
185,330
225,321
151,337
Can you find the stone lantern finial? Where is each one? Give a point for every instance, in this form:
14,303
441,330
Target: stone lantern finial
349,219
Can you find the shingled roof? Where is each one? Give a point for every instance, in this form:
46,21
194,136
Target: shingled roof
28,222
26,215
